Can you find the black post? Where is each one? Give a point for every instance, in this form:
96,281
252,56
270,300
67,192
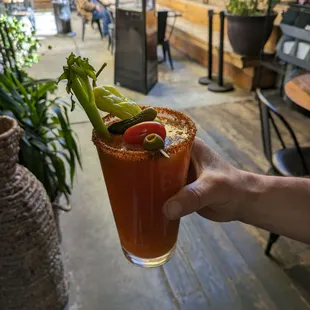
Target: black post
210,44
220,87
221,49
206,80
261,54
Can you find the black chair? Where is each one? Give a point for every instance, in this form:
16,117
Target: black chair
161,35
97,21
287,161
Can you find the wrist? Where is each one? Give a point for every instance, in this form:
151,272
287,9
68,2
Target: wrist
253,189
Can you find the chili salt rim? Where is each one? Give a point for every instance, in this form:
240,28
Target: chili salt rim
133,155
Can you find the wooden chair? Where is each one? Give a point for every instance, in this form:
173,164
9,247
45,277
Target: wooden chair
286,161
84,22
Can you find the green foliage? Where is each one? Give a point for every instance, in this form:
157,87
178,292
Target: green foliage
48,148
249,7
18,44
78,73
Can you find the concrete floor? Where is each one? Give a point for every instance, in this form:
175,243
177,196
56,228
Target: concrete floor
100,276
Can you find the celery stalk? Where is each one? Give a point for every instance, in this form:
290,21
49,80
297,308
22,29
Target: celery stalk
77,73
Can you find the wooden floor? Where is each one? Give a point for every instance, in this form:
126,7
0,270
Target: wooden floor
222,266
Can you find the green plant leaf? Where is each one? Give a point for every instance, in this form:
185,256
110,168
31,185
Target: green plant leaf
40,145
7,82
76,152
45,88
64,75
48,148
60,171
31,82
6,102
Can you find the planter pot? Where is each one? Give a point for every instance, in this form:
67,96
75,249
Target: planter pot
246,33
31,270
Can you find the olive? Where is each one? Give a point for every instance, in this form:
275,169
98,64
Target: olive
153,142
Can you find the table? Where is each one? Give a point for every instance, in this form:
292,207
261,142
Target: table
298,90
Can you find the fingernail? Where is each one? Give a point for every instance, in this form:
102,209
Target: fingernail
173,209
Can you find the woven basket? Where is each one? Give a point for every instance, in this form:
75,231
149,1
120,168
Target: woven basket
31,268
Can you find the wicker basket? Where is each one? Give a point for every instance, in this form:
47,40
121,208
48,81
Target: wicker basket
31,268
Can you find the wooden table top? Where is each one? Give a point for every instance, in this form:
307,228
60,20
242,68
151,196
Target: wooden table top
298,90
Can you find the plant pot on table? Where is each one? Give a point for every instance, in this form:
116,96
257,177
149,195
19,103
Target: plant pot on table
247,34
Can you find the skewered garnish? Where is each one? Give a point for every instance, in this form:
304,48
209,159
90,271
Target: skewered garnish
136,124
148,114
137,133
153,143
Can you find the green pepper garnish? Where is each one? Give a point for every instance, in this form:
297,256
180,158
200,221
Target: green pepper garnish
109,99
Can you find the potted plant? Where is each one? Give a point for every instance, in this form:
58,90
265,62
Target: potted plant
18,45
48,147
248,25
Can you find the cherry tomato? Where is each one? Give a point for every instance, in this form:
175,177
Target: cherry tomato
137,133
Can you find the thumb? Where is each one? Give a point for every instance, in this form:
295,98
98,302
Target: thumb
189,199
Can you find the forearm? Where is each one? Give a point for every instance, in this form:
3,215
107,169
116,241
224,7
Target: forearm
278,204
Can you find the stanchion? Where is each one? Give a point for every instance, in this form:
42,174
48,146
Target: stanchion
206,80
219,86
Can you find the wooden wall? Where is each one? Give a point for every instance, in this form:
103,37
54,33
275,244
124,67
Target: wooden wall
42,4
242,71
197,13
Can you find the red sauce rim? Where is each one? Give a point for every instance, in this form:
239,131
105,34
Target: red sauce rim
131,155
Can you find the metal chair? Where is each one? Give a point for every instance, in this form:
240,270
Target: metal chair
286,161
84,22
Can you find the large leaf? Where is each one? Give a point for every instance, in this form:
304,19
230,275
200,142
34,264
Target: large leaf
69,141
73,142
40,145
7,82
31,82
60,171
45,88
8,103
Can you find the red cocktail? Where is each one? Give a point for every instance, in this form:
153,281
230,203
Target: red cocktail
140,182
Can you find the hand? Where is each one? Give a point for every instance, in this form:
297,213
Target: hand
220,192
215,188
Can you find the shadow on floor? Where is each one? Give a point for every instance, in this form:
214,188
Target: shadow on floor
300,276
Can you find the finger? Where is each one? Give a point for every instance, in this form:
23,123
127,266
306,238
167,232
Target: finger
191,174
203,157
189,199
